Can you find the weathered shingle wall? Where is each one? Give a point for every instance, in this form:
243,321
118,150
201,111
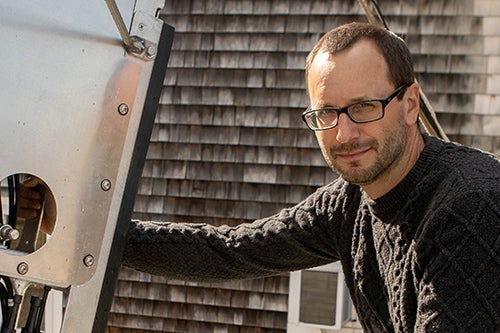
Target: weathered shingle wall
456,48
154,304
229,145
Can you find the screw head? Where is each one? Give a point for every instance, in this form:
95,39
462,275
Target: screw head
88,260
106,185
123,109
22,268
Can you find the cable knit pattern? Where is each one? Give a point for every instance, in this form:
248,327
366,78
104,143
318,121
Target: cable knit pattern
423,258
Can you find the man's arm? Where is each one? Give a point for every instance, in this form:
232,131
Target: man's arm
459,286
295,238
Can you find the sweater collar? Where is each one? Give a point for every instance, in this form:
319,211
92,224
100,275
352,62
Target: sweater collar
394,199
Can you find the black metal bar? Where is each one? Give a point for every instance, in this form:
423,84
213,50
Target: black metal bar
5,296
135,171
11,183
10,326
35,304
39,319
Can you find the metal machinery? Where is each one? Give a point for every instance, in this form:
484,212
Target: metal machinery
78,98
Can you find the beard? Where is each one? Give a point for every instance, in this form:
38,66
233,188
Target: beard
388,153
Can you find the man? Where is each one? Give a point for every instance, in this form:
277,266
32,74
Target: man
414,221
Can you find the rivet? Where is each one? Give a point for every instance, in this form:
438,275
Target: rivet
106,185
22,268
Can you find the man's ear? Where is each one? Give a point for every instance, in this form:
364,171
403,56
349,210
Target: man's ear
412,103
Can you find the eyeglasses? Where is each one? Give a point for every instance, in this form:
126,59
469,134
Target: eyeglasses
360,112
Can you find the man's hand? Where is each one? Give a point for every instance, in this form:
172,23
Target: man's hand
35,198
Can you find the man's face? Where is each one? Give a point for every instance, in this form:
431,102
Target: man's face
361,153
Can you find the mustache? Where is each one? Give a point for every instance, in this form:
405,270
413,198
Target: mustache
348,147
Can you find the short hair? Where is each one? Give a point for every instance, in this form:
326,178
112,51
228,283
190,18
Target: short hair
393,49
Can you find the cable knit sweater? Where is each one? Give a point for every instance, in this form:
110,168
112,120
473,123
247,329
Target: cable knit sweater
423,258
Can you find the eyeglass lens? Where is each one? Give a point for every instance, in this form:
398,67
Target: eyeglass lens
360,112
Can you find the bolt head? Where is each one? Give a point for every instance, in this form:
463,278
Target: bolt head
151,51
22,268
14,234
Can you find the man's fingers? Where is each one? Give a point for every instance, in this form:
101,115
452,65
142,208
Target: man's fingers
27,202
29,193
32,195
30,199
27,213
32,181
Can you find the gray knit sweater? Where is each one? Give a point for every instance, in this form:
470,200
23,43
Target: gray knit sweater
423,258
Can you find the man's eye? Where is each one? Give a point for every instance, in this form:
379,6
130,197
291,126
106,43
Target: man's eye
326,113
363,107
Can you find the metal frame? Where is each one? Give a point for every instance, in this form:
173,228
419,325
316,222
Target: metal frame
78,107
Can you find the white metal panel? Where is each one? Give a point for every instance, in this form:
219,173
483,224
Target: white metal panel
65,78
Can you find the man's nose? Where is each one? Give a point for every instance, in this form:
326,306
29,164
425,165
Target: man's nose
347,130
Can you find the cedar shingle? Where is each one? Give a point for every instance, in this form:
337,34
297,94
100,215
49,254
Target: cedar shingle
232,41
207,42
201,23
493,64
189,41
279,7
212,6
450,44
490,25
452,83
173,169
179,7
265,42
493,85
224,116
272,284
262,7
492,45
275,193
486,104
473,64
300,7
238,7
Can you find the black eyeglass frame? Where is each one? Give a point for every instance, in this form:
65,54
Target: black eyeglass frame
344,109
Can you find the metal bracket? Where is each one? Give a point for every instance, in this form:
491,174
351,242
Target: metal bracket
142,48
143,24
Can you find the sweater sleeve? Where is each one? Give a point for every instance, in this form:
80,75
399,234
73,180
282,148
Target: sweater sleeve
295,238
459,252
